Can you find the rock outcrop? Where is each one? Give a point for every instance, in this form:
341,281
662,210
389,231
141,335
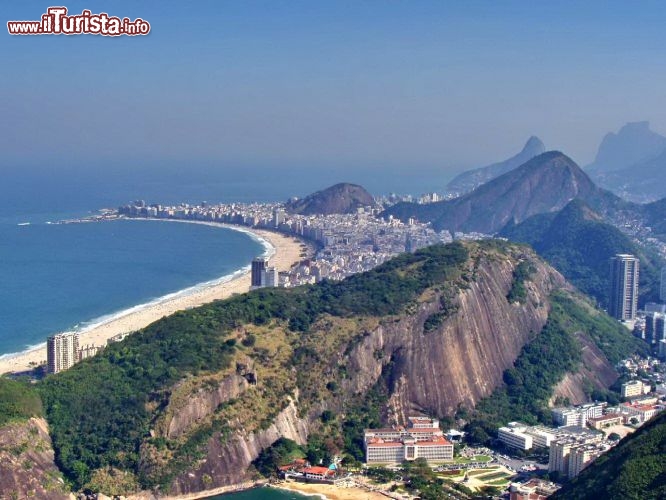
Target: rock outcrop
343,198
463,359
227,459
27,467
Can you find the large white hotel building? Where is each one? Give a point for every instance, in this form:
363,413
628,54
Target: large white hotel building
421,439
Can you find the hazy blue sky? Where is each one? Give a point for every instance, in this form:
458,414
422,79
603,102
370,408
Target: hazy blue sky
407,85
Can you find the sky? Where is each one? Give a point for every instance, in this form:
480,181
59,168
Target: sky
410,88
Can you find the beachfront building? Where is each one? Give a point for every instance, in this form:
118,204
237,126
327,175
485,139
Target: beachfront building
87,351
316,473
62,351
259,266
421,439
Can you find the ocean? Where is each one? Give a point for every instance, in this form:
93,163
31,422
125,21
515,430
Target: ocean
263,494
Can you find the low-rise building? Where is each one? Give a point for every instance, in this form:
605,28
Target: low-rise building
515,437
577,416
605,421
642,412
534,489
524,437
630,389
316,473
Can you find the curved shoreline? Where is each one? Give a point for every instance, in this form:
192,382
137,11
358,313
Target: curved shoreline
282,251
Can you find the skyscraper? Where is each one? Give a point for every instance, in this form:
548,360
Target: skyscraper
259,266
624,287
655,327
62,351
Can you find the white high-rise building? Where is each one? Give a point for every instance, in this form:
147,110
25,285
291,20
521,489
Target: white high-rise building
624,287
62,351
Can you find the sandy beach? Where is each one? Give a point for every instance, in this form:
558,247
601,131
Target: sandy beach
285,252
331,492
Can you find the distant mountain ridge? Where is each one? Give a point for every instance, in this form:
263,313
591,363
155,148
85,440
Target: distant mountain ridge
471,179
632,163
342,198
633,143
546,183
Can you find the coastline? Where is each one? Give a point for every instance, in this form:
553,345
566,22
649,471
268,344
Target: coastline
329,491
282,251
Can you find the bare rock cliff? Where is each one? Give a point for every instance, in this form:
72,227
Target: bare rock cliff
27,468
227,460
463,359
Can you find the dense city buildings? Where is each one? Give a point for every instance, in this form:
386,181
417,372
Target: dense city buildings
62,351
624,287
421,439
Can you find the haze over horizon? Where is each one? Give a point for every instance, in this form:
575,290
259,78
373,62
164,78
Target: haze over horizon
352,88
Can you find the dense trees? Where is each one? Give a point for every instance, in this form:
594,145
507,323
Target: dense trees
18,401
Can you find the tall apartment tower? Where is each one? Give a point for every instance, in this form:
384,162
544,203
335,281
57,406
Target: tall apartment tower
62,351
259,266
655,327
624,287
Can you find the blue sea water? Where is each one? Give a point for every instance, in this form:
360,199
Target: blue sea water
263,494
66,276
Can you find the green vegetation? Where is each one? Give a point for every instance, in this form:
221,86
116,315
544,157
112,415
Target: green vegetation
521,273
634,470
101,411
18,401
579,245
284,451
543,362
